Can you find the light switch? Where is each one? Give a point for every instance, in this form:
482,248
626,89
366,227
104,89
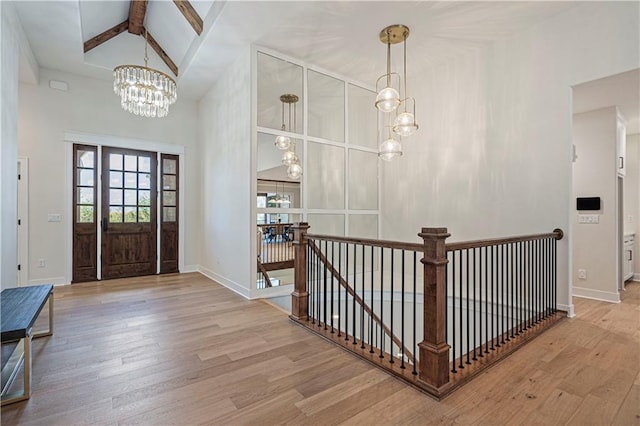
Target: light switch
588,218
54,217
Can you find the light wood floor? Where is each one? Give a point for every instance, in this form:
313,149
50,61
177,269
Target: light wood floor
182,350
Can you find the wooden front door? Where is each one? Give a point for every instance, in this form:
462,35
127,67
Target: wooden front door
128,213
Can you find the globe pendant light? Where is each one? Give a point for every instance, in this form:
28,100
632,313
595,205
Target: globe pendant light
294,171
388,98
405,122
390,149
289,158
283,142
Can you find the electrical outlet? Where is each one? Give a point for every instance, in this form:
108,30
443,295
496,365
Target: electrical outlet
582,274
40,263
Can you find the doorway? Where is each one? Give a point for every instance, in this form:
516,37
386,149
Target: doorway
129,230
116,220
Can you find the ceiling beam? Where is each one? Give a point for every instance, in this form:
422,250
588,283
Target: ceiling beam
190,14
137,10
163,55
106,35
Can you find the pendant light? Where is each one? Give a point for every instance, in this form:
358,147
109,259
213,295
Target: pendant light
283,142
144,91
390,148
405,122
388,99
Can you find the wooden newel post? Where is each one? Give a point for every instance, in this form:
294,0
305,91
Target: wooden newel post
300,296
434,350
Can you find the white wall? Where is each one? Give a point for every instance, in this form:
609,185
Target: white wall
224,117
594,175
493,155
632,194
89,106
9,57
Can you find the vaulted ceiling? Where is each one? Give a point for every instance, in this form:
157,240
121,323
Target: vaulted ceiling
341,36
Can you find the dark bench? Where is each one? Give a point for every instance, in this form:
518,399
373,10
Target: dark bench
19,309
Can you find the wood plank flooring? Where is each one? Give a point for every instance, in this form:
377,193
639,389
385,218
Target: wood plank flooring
180,349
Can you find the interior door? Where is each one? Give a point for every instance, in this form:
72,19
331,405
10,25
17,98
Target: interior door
128,213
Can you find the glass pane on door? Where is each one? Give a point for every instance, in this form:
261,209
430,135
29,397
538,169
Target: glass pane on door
129,195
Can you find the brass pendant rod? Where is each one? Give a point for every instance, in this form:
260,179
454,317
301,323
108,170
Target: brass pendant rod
283,126
405,75
388,59
146,41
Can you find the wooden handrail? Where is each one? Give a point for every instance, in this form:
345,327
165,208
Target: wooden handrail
399,245
359,300
557,234
264,273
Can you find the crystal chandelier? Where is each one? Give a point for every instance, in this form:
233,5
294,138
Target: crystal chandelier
389,100
144,91
284,143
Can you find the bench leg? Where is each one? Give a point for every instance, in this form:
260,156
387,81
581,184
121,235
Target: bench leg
48,332
25,360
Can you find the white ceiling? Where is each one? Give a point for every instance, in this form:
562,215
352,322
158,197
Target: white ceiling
341,36
622,90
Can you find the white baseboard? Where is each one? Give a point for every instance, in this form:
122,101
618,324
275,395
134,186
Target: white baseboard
190,268
231,285
636,277
54,280
569,309
604,296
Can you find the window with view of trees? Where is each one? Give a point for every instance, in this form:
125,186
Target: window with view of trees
129,188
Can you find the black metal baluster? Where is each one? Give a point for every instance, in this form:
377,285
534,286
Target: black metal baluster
362,297
517,287
555,276
371,333
324,294
414,372
530,268
391,310
548,277
534,282
332,280
315,281
453,311
381,303
510,290
547,268
310,273
460,308
346,295
339,289
486,299
402,317
354,314
480,339
504,297
475,322
493,298
542,280
324,287
466,255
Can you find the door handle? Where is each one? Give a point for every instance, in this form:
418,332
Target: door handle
621,162
105,224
